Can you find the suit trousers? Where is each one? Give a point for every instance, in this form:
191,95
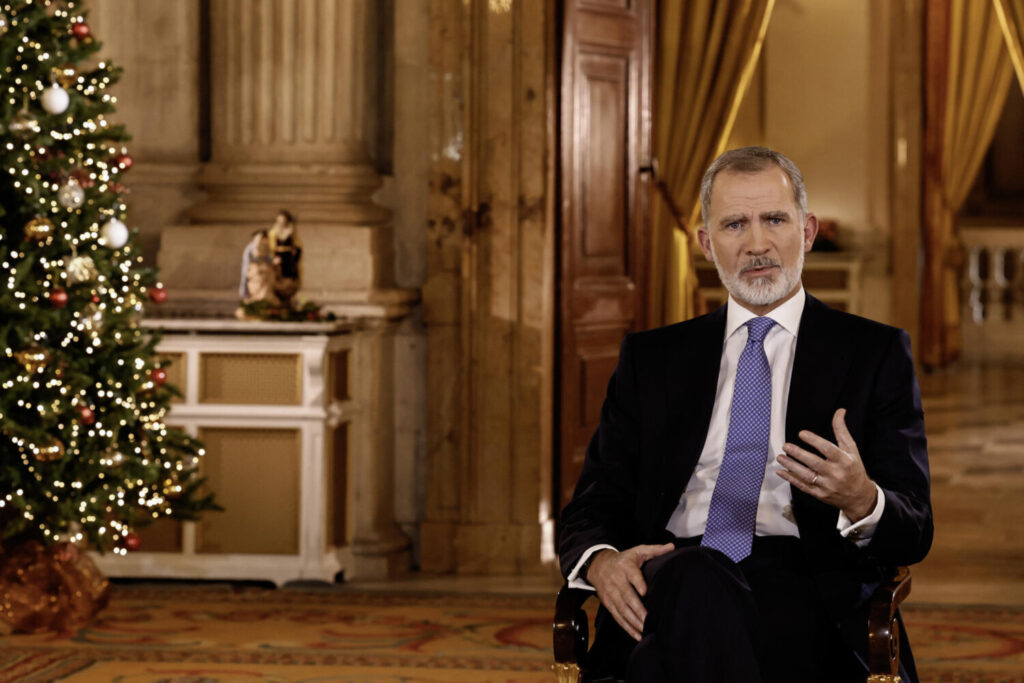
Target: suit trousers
711,620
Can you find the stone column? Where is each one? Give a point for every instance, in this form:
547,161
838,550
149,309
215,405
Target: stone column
379,548
291,107
488,303
289,112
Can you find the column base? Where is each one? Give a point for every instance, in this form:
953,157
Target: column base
498,549
379,560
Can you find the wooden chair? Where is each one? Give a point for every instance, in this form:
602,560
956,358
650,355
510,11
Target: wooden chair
571,631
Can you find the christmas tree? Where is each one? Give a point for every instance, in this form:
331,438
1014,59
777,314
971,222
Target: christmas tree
85,453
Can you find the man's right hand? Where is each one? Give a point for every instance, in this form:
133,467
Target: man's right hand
620,583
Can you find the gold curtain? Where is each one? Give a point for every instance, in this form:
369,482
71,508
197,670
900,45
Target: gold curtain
1011,20
969,75
707,52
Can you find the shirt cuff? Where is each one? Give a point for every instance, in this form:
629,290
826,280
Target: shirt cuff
574,579
861,532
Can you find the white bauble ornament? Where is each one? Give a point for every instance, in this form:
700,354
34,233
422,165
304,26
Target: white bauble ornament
55,99
113,234
71,195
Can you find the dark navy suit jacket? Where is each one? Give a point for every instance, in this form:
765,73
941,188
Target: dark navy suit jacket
656,416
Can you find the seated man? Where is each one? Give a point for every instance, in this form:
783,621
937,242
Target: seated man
757,471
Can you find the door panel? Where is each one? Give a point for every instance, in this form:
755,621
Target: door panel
605,138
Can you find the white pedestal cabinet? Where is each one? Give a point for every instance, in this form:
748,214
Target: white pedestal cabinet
298,425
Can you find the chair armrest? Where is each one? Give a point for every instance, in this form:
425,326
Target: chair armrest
570,626
883,629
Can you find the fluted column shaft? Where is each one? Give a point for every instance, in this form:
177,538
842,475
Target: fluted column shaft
290,115
289,109
288,81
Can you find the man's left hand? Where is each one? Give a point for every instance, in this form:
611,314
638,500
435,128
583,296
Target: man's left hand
839,479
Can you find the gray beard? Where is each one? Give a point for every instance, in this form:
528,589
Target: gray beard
762,291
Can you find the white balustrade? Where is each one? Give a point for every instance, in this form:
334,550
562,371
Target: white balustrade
994,278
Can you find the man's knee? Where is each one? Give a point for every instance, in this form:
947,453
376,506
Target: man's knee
696,572
690,563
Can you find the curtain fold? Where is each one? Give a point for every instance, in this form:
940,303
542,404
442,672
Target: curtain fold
707,52
969,76
1011,20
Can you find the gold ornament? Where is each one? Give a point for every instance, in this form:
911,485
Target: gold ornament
34,357
49,452
81,269
39,229
65,75
24,125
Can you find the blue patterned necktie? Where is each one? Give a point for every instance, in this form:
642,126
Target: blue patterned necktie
733,511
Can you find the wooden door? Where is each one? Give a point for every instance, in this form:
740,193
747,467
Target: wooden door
605,130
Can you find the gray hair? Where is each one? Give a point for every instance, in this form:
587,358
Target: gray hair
751,160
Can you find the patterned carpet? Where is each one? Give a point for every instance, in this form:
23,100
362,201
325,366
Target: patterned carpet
213,634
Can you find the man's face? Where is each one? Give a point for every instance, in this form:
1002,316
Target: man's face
756,237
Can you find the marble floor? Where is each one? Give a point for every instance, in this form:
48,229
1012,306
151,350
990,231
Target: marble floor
974,414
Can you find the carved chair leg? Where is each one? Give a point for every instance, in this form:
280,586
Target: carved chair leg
566,673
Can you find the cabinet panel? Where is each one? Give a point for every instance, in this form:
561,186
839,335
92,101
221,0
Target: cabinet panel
162,536
250,378
255,473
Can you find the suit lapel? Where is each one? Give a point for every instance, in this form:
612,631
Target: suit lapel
820,366
691,384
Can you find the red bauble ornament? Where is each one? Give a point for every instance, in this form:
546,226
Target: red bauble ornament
83,178
86,415
158,294
58,298
80,30
132,541
95,298
158,375
124,161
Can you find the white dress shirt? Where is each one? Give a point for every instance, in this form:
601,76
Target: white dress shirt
775,506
